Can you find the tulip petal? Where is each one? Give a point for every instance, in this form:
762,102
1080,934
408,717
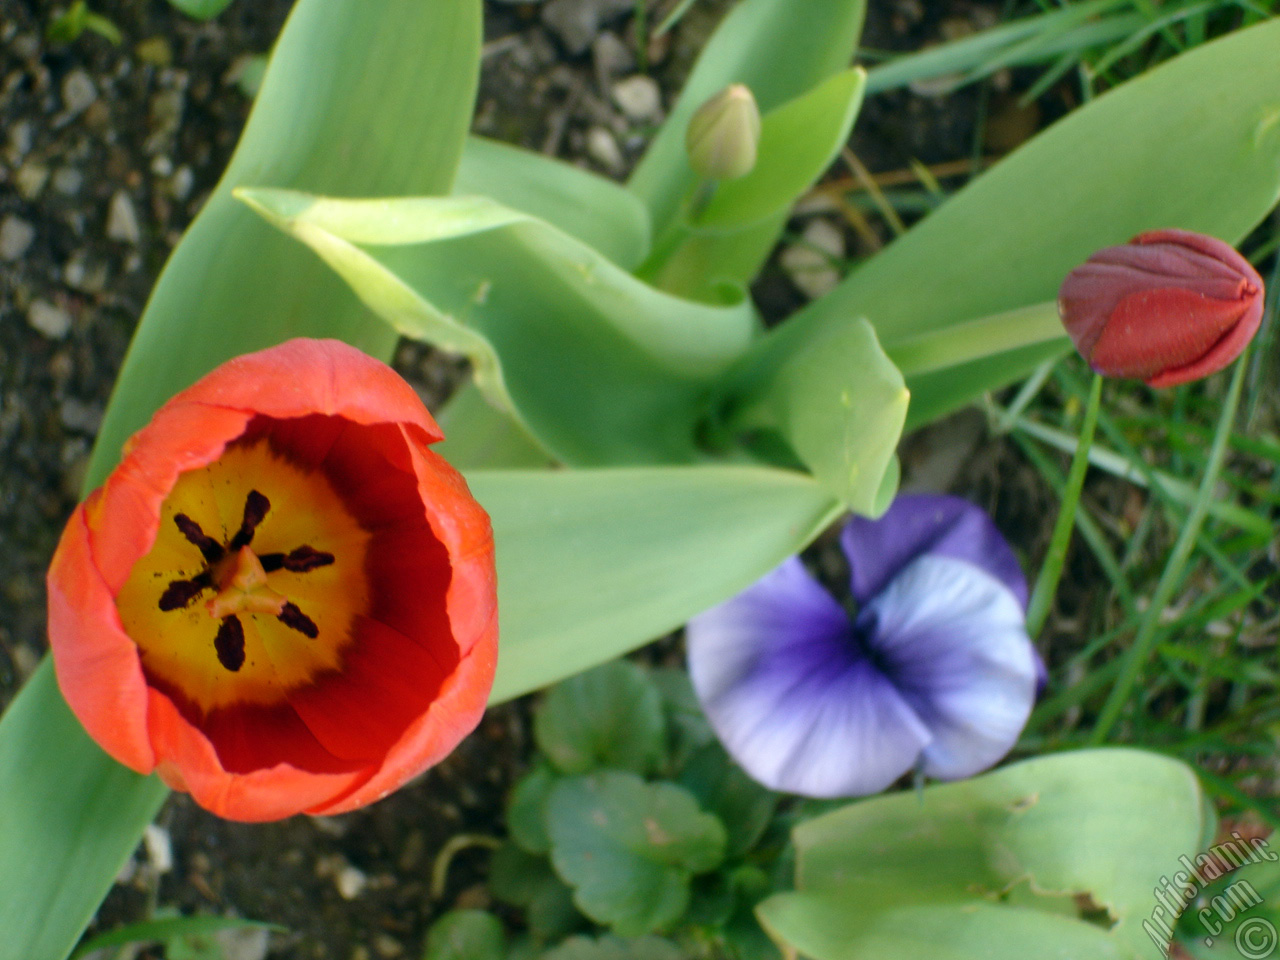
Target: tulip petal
96,661
302,377
917,524
793,698
954,640
189,762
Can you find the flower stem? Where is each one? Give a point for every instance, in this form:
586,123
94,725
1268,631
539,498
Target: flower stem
1051,571
1136,657
974,339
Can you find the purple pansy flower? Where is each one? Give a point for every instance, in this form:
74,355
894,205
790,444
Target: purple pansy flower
936,669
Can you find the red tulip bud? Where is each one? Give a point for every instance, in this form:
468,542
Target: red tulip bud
1168,307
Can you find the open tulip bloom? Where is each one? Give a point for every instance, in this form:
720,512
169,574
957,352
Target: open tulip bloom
935,670
281,600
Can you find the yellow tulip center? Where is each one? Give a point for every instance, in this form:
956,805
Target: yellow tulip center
254,582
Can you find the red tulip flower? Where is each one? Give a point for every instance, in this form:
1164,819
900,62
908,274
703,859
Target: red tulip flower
1168,307
281,600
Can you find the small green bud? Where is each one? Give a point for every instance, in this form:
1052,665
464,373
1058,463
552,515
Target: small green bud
723,134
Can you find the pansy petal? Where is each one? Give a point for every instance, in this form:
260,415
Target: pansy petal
792,698
918,524
954,640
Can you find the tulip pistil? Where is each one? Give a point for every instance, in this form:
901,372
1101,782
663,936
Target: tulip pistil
239,600
239,577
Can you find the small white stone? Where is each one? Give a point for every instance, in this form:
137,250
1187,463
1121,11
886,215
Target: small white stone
809,265
49,319
182,182
78,91
245,943
16,235
30,179
159,849
350,882
638,97
604,150
122,220
81,417
68,181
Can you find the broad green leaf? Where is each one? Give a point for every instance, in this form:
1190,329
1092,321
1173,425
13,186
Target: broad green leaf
599,212
69,818
526,303
836,399
798,141
479,436
1052,857
609,716
630,848
1232,916
170,928
347,81
778,48
686,723
594,563
527,881
723,788
466,935
1194,143
527,809
201,9
1036,39
725,242
616,948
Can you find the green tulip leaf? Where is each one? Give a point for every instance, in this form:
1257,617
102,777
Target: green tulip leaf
526,303
1193,143
594,563
609,716
599,212
780,49
1052,857
838,402
798,141
630,848
347,81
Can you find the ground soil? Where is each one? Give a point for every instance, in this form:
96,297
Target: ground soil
106,153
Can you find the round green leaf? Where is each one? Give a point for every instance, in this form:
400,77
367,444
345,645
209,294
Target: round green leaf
610,716
629,848
466,935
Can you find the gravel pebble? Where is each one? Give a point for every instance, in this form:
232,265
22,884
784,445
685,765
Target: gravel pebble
80,416
809,264
49,319
604,150
78,91
30,179
638,97
122,219
350,881
68,181
576,22
16,235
